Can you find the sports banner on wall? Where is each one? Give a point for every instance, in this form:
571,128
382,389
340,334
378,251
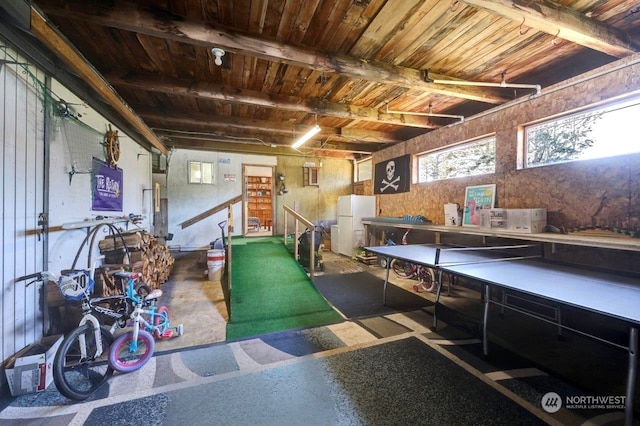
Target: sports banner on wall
107,187
392,176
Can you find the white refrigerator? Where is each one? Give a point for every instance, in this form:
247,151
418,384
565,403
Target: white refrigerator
351,210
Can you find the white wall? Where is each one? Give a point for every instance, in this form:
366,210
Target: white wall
70,201
188,200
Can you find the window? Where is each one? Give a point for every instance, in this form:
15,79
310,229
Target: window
468,159
311,176
364,170
596,133
200,172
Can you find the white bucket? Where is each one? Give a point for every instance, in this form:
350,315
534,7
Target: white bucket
215,263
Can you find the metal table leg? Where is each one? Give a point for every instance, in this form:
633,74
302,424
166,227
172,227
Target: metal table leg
631,376
485,334
386,280
435,304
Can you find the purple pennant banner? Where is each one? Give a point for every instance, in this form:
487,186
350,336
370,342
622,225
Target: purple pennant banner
107,187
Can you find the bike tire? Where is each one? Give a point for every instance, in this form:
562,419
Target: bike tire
402,269
123,360
74,377
161,322
428,278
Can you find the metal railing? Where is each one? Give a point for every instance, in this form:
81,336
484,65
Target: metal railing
297,217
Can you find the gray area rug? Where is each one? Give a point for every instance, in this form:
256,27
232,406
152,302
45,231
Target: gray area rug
360,295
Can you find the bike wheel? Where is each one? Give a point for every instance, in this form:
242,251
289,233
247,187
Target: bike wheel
78,378
161,322
427,278
402,269
125,360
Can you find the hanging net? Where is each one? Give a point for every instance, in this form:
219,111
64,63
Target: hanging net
82,142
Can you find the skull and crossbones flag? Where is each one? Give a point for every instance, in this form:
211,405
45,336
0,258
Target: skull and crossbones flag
392,176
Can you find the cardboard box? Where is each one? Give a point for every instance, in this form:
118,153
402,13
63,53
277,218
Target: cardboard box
498,219
527,221
31,369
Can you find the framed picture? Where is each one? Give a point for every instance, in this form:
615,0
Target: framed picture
476,199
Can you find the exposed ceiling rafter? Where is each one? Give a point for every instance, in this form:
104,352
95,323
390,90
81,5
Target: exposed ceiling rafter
154,83
51,38
138,19
560,21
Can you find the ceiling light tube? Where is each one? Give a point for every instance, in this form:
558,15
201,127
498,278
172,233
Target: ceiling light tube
311,133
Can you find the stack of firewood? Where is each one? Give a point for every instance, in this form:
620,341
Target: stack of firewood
145,256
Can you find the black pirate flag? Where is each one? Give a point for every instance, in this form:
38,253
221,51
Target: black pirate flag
392,176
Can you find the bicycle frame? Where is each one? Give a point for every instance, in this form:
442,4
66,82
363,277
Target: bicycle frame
139,311
138,319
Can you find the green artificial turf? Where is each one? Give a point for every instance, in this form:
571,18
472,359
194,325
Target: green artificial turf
271,292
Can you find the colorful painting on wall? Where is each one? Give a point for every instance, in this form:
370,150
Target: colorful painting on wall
476,199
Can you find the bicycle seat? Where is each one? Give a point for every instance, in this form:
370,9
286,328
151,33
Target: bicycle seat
126,274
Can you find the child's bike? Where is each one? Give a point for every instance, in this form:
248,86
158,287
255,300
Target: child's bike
81,365
134,349
403,269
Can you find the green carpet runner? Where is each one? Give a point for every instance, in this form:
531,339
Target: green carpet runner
271,292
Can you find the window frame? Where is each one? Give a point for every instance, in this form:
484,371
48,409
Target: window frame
192,180
602,108
358,172
455,147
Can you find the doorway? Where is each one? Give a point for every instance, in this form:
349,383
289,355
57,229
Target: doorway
24,167
258,214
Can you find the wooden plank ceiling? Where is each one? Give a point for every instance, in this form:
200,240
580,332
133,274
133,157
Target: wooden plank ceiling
368,72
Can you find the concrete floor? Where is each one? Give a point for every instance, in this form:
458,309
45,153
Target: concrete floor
199,305
282,378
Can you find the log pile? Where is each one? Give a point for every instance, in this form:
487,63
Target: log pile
146,256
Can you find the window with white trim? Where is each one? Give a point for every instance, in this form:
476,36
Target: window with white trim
201,172
364,170
473,158
600,132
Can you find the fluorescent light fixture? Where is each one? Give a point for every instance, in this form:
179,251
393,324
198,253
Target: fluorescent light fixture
311,133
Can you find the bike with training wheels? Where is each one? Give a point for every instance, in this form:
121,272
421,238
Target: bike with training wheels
134,349
81,364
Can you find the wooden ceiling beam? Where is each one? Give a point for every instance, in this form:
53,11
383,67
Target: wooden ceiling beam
369,135
562,22
256,149
221,124
50,37
223,145
139,19
203,121
174,86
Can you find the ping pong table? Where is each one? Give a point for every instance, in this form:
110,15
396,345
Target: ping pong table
606,294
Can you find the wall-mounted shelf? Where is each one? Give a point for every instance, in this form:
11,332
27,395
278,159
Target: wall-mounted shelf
613,242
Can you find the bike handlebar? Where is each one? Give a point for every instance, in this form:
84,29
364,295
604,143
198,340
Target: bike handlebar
50,276
28,277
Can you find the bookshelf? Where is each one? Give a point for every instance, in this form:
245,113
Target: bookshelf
259,202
